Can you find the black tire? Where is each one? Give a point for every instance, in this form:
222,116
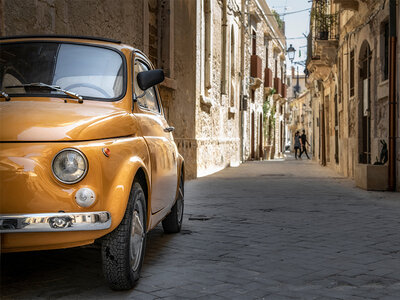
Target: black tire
123,249
173,222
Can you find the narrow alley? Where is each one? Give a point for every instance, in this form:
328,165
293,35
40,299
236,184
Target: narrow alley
281,229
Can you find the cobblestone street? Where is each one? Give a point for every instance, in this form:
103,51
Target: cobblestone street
265,230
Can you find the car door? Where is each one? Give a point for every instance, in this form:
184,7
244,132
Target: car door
158,135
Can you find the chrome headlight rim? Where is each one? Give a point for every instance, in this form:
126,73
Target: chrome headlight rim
84,159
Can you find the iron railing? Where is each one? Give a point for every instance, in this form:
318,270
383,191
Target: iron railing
323,22
324,26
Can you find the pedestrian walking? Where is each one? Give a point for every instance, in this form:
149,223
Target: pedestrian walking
297,143
303,139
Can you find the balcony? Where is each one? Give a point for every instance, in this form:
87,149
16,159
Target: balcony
347,4
278,86
326,27
255,71
268,78
255,68
323,42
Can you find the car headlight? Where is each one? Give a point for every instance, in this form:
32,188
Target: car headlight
69,166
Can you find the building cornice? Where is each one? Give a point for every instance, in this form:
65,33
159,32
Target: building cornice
271,22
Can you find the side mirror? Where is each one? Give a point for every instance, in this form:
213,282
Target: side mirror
147,79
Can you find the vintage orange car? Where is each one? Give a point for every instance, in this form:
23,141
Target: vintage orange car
86,153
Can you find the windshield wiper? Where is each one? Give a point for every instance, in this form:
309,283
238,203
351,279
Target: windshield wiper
48,86
5,95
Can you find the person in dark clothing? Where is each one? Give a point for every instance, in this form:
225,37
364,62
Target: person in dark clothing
303,140
297,143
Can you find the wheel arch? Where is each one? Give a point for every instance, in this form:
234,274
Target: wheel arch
142,178
181,166
133,167
180,172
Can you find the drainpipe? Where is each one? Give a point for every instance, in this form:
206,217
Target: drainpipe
322,124
224,88
243,77
392,97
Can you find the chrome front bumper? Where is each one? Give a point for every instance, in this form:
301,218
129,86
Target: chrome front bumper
52,222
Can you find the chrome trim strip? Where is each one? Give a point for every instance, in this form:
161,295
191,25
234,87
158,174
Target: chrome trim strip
55,222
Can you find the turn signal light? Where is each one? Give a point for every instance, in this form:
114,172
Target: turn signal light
85,197
106,152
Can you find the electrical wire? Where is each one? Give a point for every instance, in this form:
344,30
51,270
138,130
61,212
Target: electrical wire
287,38
290,12
294,12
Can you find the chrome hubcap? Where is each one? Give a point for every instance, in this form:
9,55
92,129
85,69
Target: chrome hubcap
137,236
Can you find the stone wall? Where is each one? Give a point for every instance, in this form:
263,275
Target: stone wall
182,105
116,19
204,48
143,24
267,36
371,34
359,29
217,92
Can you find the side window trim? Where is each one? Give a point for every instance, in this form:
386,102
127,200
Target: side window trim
141,60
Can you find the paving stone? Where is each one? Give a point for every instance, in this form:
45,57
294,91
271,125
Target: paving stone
302,235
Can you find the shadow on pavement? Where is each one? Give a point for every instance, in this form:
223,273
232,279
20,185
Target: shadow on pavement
59,273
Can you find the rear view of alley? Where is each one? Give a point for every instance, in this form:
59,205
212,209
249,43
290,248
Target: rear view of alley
275,230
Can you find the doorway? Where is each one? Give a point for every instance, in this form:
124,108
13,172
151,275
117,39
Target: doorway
252,155
322,135
260,145
281,150
364,106
336,130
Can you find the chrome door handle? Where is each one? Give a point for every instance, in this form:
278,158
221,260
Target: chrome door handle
169,129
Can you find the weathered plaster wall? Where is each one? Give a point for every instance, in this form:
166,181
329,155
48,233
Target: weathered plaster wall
217,118
135,22
267,35
117,19
182,105
357,28
206,118
378,88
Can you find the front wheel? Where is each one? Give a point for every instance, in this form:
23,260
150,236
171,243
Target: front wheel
123,249
173,222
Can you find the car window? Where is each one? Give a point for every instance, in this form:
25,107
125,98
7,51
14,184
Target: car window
149,100
87,70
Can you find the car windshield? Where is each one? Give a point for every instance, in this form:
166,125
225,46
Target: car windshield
90,71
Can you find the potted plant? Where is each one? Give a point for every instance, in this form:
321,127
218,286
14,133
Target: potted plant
269,127
322,20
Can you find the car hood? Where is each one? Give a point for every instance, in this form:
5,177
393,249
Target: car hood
34,121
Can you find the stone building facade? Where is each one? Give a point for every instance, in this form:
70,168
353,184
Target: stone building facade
163,29
205,49
265,92
296,83
348,65
218,84
299,118
298,106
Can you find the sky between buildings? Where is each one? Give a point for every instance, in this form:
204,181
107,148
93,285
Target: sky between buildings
297,25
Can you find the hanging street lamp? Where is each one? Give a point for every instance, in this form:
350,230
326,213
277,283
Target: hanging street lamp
291,52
